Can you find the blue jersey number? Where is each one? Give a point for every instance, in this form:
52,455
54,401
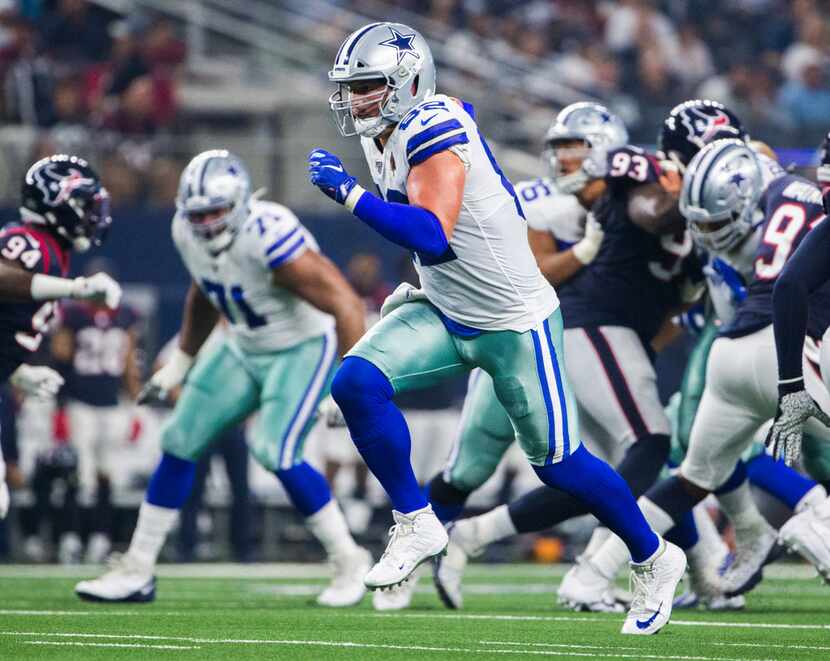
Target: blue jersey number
432,105
537,189
217,290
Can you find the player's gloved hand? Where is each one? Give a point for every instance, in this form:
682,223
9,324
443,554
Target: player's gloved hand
37,381
165,379
587,248
5,499
99,287
326,171
784,437
404,293
729,276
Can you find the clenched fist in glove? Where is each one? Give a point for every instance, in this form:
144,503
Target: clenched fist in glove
784,438
167,378
40,382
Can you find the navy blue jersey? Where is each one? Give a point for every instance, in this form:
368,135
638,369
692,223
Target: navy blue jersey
633,281
101,347
792,207
22,323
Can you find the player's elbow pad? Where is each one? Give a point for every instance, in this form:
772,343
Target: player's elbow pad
413,228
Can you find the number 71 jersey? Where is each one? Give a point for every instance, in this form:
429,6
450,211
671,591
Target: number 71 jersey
262,317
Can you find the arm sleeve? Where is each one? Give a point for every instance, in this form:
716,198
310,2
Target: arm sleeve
412,227
804,272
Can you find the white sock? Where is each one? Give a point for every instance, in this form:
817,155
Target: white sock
598,538
611,557
707,532
329,526
659,520
489,527
150,532
812,498
740,507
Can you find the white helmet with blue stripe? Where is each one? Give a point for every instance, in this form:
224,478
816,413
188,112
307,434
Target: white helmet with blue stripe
596,126
214,181
395,55
722,186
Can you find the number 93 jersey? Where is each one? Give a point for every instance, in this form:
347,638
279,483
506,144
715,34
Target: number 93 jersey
487,278
262,316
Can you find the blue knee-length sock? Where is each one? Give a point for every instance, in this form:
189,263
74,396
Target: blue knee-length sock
590,479
171,482
378,430
778,479
684,533
306,488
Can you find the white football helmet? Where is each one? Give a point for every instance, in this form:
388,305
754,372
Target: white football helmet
392,52
721,189
214,180
600,130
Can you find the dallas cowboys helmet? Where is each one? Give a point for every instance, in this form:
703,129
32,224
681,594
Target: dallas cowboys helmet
692,124
721,189
63,193
214,180
598,128
390,52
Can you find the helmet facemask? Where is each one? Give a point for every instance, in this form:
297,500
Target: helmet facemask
347,107
559,151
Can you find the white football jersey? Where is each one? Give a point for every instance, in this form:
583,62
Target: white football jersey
548,209
488,278
261,316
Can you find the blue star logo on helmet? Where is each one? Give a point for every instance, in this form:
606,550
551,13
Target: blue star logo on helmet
737,179
402,43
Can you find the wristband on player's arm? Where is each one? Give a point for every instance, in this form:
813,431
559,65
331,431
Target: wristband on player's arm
50,288
411,227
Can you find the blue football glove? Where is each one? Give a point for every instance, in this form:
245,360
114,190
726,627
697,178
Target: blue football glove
326,171
731,277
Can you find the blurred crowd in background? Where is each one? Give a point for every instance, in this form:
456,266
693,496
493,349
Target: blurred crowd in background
140,92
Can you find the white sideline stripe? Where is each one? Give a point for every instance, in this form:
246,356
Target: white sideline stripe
353,645
788,647
102,612
59,643
591,618
638,655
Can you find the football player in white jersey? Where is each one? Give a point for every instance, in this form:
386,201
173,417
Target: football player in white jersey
290,314
484,304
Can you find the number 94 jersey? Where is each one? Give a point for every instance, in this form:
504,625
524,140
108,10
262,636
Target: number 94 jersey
23,323
262,317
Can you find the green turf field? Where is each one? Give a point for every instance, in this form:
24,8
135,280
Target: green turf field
267,612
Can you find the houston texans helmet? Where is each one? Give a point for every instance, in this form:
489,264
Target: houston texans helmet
63,193
693,124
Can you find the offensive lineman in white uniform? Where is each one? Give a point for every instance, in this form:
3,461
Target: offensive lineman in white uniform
484,304
290,314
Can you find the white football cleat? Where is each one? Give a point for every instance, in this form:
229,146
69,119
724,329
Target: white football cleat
754,548
126,580
585,588
396,598
808,534
346,587
448,570
415,538
654,584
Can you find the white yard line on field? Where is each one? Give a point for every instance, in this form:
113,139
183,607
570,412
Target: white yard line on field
589,618
572,650
103,612
59,643
788,647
